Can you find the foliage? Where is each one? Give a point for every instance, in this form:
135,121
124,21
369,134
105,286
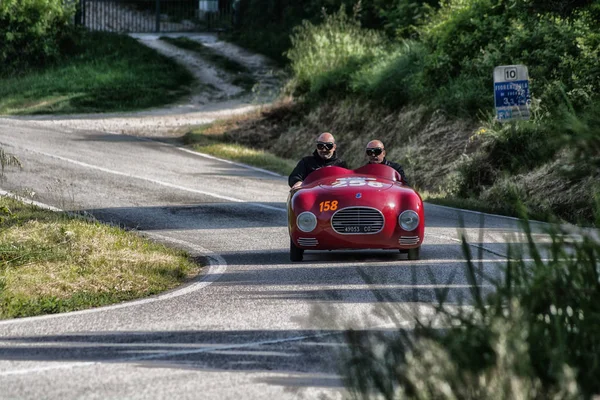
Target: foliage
562,8
512,148
536,336
393,80
323,57
581,135
563,151
464,38
402,18
459,46
266,25
33,32
102,72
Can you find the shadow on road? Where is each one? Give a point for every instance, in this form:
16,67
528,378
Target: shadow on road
215,215
311,357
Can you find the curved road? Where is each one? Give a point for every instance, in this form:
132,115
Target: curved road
254,325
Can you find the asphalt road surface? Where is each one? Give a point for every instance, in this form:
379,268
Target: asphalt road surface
254,325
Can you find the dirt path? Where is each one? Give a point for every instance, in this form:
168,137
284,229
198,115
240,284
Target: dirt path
215,97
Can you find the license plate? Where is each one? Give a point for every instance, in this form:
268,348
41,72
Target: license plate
358,229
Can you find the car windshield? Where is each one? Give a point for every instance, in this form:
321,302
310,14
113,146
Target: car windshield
378,170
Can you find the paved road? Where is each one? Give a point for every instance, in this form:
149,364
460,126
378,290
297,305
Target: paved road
255,325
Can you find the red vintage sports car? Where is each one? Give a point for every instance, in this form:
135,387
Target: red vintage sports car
366,208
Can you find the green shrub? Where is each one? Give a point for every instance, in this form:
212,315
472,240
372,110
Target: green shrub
467,39
458,32
266,25
32,32
581,135
325,56
392,79
506,149
535,336
562,8
401,18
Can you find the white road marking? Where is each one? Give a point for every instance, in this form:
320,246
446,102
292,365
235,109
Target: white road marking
157,182
196,153
483,213
29,201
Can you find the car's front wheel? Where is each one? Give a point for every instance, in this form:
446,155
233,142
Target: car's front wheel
296,254
413,254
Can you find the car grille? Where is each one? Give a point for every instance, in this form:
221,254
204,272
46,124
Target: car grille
308,242
357,221
408,240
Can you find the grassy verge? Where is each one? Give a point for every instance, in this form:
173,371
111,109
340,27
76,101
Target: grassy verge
51,263
241,75
104,72
534,337
211,139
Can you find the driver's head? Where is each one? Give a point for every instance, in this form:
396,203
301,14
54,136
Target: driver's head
326,145
375,152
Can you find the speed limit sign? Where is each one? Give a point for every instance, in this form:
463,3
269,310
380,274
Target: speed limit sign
511,92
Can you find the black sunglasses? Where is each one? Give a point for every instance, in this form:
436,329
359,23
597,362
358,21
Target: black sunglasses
375,151
325,145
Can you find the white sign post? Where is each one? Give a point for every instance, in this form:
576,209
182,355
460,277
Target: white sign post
511,93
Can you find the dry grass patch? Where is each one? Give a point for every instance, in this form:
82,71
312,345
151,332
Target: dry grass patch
53,263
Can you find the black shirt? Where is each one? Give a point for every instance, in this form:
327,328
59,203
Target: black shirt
397,167
312,163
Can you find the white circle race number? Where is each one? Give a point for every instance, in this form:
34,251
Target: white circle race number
355,182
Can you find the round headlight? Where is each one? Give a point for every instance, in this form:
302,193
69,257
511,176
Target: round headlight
306,221
409,220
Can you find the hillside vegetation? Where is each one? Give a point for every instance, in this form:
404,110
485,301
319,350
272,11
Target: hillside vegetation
418,75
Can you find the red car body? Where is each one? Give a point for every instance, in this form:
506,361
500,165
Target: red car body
355,209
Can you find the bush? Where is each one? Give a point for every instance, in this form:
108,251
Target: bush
323,57
536,336
581,135
392,79
467,39
401,18
32,32
266,25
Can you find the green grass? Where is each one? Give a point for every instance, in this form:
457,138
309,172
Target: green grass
51,262
104,73
203,140
241,74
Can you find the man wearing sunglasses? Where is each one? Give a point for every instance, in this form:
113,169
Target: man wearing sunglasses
376,155
323,156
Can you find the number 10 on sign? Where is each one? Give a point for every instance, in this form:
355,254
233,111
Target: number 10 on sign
511,92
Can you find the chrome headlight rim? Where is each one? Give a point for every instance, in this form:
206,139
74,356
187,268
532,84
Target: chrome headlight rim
412,223
303,225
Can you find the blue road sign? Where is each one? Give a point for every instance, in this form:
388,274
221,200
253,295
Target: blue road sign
511,92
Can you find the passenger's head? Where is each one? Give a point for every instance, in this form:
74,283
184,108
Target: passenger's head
375,152
326,145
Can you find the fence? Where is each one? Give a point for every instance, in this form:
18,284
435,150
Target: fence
156,15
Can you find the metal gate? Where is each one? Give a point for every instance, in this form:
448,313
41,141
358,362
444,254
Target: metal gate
156,15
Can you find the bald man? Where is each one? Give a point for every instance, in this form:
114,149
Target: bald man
324,156
376,155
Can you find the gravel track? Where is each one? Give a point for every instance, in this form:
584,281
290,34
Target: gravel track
213,98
